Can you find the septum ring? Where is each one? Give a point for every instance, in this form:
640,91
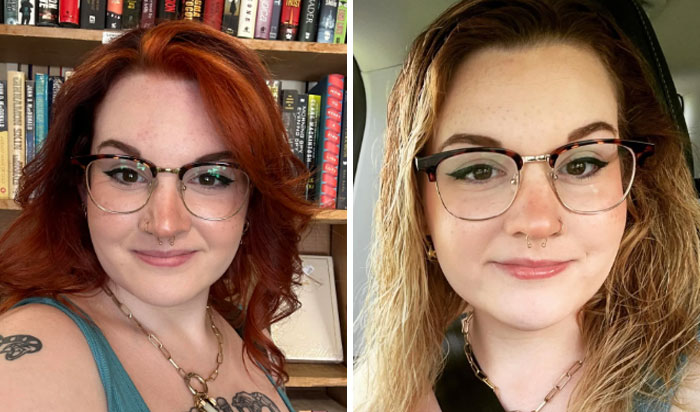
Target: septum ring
529,245
160,242
171,241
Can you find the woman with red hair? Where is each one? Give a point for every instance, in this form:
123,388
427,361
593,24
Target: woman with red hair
165,200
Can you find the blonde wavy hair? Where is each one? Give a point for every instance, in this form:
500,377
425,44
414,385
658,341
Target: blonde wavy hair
639,327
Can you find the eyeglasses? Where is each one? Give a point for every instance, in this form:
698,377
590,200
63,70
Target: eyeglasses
588,177
124,184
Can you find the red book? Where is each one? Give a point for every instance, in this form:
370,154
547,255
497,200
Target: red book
213,13
69,13
289,21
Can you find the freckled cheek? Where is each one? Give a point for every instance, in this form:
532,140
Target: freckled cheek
600,238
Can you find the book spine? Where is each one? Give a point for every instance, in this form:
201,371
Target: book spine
314,114
30,109
167,10
263,19
326,24
192,10
55,83
132,14
15,85
26,12
2,11
232,10
331,118
275,19
92,14
341,22
148,14
41,111
300,113
213,13
309,20
113,19
246,21
47,13
342,200
11,11
4,144
289,102
69,13
289,19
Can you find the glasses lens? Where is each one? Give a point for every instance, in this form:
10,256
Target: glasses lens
118,185
215,191
595,177
477,185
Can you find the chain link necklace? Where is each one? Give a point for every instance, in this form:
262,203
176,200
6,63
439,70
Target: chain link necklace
202,401
561,383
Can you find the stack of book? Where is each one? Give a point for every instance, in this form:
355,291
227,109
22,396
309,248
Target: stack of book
322,21
314,117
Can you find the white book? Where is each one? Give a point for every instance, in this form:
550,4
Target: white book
312,333
16,127
246,22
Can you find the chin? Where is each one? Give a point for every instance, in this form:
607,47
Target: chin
533,316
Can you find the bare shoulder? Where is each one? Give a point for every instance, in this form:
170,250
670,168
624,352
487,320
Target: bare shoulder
46,363
688,395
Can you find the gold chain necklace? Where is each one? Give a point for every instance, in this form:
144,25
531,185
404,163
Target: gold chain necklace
561,383
202,401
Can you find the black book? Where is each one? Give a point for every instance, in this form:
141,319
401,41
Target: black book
92,14
167,10
300,109
55,83
2,11
115,10
326,22
3,105
46,13
132,14
289,111
308,20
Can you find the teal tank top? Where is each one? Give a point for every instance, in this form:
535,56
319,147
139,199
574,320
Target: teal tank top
121,393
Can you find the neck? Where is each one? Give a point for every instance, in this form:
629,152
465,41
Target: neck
526,364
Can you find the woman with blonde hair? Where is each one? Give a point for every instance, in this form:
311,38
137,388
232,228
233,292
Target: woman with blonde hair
534,195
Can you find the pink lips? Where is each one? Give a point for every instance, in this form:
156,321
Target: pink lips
164,259
526,269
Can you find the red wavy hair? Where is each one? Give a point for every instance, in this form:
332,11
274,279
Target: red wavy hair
47,250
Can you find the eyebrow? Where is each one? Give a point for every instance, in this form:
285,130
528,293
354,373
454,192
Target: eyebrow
132,151
486,141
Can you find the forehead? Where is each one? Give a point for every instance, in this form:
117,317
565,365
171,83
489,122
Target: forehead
529,98
163,117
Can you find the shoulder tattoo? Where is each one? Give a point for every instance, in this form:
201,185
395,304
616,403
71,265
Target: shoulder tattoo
245,402
14,347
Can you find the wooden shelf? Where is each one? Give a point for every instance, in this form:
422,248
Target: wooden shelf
58,46
8,205
310,375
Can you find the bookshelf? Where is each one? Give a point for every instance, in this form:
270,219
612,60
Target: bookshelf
311,386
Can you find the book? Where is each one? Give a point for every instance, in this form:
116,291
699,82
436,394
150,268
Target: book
69,13
92,14
342,200
47,13
16,125
246,21
263,19
275,20
312,333
213,13
42,110
289,19
131,16
289,119
148,14
29,120
2,11
166,10
308,25
341,22
193,10
12,11
55,83
26,12
328,151
229,24
113,19
275,87
326,23
312,126
4,144
300,114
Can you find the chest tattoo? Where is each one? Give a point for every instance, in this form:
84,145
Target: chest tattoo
245,402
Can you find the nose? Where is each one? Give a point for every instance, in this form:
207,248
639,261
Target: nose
165,210
536,211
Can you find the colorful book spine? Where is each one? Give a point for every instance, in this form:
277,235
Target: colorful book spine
132,14
263,19
314,114
113,19
300,113
29,123
232,11
167,10
246,21
92,14
42,110
326,24
289,103
47,13
15,115
275,20
342,200
309,20
69,13
213,13
26,12
331,90
11,11
341,22
4,144
289,19
193,10
148,14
